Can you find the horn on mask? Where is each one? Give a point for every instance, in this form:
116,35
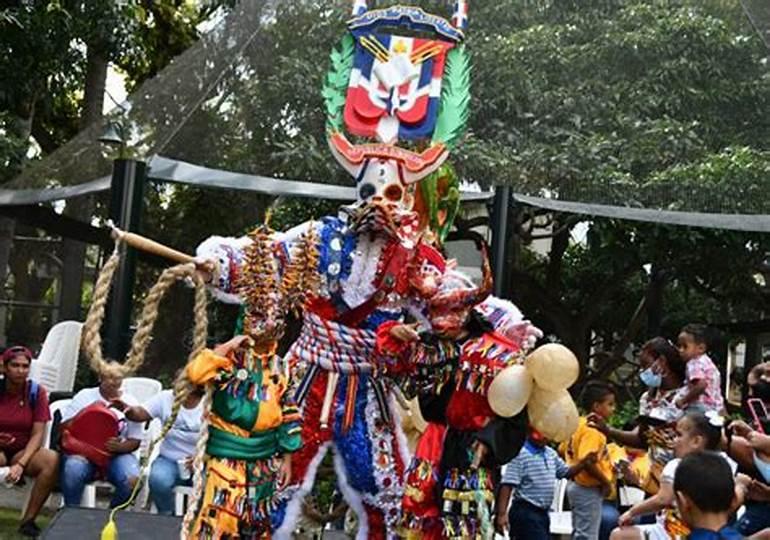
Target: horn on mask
470,296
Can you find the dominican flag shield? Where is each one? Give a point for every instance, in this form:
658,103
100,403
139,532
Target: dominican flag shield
395,87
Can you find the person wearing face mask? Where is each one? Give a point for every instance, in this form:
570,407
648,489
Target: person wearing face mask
664,375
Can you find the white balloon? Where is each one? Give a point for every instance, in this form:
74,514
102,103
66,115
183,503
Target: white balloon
553,366
553,414
509,391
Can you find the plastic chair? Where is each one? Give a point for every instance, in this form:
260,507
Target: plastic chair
151,432
182,496
57,363
54,407
141,388
561,520
630,495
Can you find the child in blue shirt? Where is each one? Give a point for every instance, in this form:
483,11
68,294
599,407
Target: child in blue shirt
531,477
706,495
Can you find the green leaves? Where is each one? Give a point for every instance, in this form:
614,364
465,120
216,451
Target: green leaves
336,83
591,107
455,98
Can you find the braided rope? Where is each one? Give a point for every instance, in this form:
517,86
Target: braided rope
143,334
198,463
91,341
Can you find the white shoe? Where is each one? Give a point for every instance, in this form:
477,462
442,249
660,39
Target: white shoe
4,474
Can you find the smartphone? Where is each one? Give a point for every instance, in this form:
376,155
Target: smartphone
758,413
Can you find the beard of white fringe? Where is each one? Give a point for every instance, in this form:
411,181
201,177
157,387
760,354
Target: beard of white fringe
352,497
294,506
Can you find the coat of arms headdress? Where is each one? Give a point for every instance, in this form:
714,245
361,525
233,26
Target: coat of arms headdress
400,80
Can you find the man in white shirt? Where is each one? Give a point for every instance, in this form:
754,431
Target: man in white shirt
123,468
173,466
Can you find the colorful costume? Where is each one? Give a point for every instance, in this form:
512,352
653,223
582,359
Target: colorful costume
250,423
446,496
376,260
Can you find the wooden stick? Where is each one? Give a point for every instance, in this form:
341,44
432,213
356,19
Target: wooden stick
151,246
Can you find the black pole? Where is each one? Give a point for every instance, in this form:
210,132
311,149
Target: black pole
126,195
500,210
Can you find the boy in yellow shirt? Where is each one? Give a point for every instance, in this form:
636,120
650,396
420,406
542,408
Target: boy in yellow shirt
587,490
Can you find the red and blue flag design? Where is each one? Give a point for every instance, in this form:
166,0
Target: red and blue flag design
395,87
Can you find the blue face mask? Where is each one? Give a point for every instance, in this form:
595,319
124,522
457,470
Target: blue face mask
650,378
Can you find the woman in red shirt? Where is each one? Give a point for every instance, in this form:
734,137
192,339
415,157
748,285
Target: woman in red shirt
23,415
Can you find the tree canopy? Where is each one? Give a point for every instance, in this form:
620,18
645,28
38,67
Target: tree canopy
638,102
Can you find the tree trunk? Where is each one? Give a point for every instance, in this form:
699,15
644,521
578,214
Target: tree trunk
73,251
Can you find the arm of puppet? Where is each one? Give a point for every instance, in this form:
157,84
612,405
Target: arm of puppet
503,437
204,367
394,346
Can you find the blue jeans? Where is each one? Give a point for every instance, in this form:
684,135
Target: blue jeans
756,518
528,522
77,471
164,477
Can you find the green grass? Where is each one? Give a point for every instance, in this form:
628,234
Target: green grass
9,522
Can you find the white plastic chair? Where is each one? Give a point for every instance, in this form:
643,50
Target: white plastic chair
54,407
182,496
141,388
57,363
150,434
630,495
561,520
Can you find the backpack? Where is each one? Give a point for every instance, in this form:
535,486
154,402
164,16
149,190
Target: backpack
33,390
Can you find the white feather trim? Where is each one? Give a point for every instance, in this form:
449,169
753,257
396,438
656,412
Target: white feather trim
294,506
352,497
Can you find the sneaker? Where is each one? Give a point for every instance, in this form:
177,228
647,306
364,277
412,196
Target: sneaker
3,474
29,529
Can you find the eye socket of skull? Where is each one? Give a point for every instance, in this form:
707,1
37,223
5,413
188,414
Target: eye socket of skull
366,191
394,193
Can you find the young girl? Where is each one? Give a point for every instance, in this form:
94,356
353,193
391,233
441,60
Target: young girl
703,380
696,432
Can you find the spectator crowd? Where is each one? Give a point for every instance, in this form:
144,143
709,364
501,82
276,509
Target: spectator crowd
703,475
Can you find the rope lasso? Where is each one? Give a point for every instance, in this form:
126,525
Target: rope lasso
92,346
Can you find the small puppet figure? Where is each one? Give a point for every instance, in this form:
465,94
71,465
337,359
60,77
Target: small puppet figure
450,483
251,429
251,425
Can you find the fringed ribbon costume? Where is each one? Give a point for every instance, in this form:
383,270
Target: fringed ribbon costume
252,422
444,497
367,277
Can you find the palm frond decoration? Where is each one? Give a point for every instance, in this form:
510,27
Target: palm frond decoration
336,83
455,98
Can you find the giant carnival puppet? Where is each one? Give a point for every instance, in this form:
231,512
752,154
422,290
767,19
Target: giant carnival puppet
398,84
377,260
